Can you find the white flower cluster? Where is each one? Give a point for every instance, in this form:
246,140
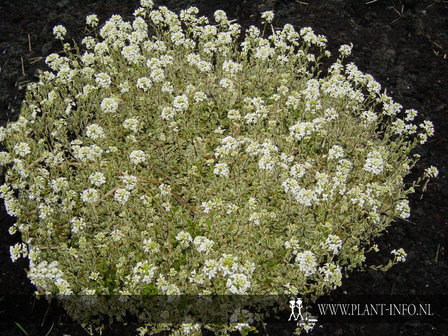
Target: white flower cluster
168,142
332,274
165,189
431,172
143,273
103,80
137,157
19,250
333,244
97,179
374,163
238,283
87,153
90,196
335,152
184,238
255,108
45,275
94,132
403,209
400,254
345,50
77,225
203,244
109,105
59,184
306,262
22,149
222,169
59,32
92,20
267,16
121,195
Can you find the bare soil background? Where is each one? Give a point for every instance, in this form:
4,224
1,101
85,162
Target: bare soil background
403,44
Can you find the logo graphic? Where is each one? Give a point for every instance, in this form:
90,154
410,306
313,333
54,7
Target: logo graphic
304,320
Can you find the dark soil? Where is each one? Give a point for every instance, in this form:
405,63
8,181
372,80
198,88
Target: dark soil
404,45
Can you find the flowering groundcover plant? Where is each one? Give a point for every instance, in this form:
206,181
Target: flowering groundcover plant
195,165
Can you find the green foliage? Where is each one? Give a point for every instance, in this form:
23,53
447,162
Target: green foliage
167,159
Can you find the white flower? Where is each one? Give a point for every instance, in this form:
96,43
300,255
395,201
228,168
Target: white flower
95,131
180,103
168,113
165,189
403,209
220,16
89,41
428,127
157,75
129,181
45,211
97,179
238,284
333,244
131,124
2,133
199,97
410,114
59,32
252,203
210,268
150,246
143,272
184,238
431,172
137,157
121,195
335,152
204,66
227,264
332,274
167,87
77,224
22,149
222,169
374,163
203,244
399,254
90,196
263,52
103,79
345,50
109,105
267,16
87,153
124,87
368,117
5,158
17,251
132,54
231,68
307,262
144,83
59,184
92,20
226,83
148,4
234,115
197,278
